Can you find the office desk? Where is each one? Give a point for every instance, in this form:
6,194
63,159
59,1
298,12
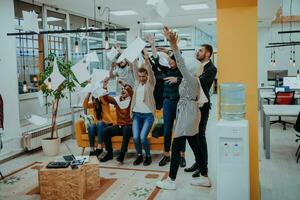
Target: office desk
263,88
275,110
269,95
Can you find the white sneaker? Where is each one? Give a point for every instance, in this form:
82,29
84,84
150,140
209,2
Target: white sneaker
201,181
166,184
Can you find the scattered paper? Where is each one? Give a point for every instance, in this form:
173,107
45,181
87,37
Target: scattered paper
133,50
30,22
141,59
112,53
37,120
81,72
162,8
91,57
99,92
163,59
55,77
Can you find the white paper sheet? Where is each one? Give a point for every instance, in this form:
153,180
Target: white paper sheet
37,120
163,59
99,92
133,50
91,57
112,53
80,71
55,76
141,59
30,22
162,8
98,76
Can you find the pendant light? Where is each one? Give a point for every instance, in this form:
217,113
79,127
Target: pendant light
294,59
298,74
274,61
25,87
106,42
291,56
76,46
271,58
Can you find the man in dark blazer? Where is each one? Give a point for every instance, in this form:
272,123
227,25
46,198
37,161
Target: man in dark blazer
206,79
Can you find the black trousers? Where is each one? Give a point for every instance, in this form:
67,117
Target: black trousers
177,146
201,136
111,131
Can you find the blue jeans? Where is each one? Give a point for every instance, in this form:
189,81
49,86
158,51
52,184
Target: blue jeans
96,128
169,115
141,126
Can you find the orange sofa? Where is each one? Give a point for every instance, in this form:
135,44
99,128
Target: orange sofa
83,139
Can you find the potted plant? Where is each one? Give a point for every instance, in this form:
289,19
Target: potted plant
51,145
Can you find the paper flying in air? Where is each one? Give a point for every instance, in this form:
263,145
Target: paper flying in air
37,120
91,57
80,71
55,77
163,59
30,22
112,53
133,50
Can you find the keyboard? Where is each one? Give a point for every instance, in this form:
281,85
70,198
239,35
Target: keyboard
56,165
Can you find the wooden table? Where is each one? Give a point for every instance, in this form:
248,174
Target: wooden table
68,183
275,110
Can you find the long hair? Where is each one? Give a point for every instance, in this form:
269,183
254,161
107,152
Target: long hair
97,107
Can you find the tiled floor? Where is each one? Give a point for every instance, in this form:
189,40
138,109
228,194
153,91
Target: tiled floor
279,176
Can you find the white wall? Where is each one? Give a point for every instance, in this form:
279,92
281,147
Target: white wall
8,80
266,35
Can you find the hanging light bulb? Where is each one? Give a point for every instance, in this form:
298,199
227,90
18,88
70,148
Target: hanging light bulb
76,47
106,44
274,61
291,57
35,79
294,60
294,63
49,86
271,57
298,74
25,87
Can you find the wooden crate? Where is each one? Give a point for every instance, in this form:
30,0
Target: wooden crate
69,183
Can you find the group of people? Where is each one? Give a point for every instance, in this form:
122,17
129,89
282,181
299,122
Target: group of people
162,81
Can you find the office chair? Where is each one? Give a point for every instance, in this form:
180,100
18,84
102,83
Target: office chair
283,98
297,129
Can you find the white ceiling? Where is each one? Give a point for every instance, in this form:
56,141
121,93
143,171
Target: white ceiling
177,17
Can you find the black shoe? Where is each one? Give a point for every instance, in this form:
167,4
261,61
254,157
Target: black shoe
121,156
192,168
164,161
138,160
147,161
98,152
107,157
92,153
182,162
196,174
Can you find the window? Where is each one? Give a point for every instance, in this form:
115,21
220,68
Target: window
95,24
58,45
56,21
93,43
28,50
78,48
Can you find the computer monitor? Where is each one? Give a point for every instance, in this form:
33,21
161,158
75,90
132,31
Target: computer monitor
292,82
276,74
282,89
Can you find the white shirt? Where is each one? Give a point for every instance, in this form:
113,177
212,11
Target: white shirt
140,106
204,63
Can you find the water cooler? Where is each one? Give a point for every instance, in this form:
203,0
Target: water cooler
232,160
232,145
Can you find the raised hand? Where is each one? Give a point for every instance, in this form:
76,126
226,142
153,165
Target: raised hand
171,37
150,39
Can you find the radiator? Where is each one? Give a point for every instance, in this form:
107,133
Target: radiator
33,139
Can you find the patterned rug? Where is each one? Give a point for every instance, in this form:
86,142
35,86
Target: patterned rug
116,183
